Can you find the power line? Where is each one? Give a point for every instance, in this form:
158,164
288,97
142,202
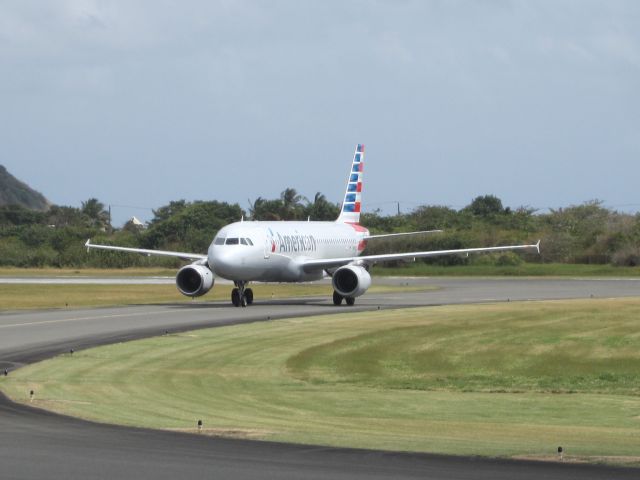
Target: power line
132,206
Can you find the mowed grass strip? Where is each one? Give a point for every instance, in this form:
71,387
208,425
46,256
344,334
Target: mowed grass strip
87,272
513,380
407,269
586,350
28,296
520,270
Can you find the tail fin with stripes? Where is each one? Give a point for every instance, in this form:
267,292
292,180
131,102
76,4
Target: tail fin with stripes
350,212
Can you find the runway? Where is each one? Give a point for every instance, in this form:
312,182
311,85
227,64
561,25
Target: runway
36,444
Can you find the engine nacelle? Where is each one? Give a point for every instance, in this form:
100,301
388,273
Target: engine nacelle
194,280
351,280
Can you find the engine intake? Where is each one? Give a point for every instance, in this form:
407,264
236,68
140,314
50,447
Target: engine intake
194,280
351,280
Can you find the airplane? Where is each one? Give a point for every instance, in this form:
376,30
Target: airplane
295,251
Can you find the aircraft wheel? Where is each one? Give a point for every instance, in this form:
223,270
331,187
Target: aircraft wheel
243,301
350,301
248,294
337,298
235,297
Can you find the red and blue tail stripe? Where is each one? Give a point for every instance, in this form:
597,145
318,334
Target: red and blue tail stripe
350,212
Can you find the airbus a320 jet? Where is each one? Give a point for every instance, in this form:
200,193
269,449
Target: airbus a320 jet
295,251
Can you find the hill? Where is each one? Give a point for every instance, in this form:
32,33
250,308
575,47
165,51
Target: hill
15,192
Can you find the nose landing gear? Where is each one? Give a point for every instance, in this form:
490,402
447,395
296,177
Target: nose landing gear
337,299
241,296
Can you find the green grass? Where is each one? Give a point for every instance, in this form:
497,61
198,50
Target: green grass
87,272
544,353
522,270
410,269
512,380
27,296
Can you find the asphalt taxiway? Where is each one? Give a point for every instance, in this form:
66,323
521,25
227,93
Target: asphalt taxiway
37,444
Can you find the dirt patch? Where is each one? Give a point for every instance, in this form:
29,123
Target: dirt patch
225,432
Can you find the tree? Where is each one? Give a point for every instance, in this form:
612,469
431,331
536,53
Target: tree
433,217
289,206
19,215
486,206
96,214
191,227
321,209
62,216
167,211
292,206
263,209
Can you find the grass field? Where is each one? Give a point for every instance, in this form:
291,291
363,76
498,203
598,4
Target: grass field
19,297
522,270
86,272
409,269
512,380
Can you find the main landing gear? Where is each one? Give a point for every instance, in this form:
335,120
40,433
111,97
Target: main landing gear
337,299
241,296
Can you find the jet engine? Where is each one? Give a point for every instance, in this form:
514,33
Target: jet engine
351,280
194,280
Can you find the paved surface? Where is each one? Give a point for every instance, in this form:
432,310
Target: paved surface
36,444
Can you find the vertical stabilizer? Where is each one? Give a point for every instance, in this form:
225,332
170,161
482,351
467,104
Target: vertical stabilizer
350,212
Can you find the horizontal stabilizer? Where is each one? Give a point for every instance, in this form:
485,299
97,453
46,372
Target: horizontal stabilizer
391,235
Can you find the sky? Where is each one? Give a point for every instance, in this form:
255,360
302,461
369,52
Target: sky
138,103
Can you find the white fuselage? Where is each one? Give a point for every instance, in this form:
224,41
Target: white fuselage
274,251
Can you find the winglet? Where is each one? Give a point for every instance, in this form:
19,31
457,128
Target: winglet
538,246
88,244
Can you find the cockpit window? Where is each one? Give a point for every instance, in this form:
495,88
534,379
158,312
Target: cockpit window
233,241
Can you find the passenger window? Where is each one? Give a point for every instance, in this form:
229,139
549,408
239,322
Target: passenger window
219,241
232,241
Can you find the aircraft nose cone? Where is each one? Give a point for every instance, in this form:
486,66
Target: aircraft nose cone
212,255
220,260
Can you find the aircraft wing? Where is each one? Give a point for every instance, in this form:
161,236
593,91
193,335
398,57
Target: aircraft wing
142,251
323,264
391,235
